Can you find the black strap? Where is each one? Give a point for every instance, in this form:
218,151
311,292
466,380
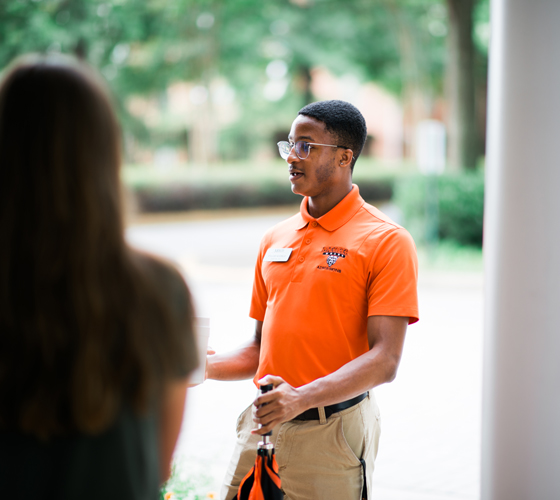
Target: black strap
364,489
313,413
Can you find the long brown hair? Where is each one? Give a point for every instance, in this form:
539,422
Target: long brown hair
83,329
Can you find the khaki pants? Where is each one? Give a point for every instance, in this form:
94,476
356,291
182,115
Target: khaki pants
317,459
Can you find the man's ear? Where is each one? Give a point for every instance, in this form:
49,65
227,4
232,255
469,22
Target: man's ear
346,158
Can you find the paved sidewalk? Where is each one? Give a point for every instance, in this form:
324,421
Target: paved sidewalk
430,440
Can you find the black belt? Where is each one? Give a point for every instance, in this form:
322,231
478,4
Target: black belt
313,413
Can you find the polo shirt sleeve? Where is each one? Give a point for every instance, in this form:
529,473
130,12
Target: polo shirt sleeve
393,277
260,294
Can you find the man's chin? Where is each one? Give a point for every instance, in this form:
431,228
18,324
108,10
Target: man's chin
297,188
299,191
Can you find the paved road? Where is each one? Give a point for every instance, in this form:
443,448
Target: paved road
430,414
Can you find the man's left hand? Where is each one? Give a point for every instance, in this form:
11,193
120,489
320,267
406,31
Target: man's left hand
281,404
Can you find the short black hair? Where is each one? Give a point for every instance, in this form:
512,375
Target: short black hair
343,120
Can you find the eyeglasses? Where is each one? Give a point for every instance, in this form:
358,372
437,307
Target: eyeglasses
302,148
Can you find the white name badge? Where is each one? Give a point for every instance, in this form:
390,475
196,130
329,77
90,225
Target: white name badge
277,254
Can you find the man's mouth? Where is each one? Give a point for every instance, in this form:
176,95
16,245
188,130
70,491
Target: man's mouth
295,174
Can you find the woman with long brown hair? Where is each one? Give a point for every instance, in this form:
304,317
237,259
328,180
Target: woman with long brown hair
95,337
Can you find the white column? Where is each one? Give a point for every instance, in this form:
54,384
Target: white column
521,406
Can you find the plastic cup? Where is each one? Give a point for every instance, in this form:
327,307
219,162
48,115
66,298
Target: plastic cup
202,332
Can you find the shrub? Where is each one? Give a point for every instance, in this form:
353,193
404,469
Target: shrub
181,196
460,206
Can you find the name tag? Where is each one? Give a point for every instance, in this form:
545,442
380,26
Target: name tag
277,255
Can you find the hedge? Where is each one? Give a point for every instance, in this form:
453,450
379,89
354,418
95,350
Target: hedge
460,195
460,206
216,195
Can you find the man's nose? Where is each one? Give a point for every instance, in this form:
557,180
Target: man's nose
292,156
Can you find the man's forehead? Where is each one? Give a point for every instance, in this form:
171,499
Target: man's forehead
306,127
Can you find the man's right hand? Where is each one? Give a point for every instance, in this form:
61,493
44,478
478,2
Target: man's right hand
281,404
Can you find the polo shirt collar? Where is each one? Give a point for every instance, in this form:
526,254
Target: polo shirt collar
338,215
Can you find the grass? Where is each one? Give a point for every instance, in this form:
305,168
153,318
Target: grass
186,485
449,256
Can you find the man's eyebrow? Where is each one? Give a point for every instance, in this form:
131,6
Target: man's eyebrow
302,138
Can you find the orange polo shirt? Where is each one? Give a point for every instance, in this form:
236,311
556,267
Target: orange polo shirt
351,263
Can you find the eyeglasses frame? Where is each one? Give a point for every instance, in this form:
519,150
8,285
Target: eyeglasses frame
293,144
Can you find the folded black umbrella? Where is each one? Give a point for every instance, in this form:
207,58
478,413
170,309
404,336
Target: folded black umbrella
262,482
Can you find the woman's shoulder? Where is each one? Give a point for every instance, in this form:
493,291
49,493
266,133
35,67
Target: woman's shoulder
167,285
169,288
163,274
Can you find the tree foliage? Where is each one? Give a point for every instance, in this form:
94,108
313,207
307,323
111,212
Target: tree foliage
141,46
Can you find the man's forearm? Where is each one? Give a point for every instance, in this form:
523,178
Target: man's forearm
375,367
239,364
286,402
356,377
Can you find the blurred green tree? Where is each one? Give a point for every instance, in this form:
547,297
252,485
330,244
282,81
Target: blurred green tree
259,48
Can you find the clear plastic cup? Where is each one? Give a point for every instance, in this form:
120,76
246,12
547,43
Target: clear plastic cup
202,332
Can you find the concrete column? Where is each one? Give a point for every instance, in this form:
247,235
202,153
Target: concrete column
521,406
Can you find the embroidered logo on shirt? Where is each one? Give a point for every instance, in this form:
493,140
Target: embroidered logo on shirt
333,254
331,259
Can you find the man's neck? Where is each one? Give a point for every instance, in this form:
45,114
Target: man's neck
319,205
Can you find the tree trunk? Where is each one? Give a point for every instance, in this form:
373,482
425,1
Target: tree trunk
305,76
80,49
463,135
416,97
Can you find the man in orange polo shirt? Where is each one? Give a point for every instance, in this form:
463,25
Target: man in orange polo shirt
334,291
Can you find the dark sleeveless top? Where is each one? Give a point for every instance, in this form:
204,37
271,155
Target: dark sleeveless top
122,463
